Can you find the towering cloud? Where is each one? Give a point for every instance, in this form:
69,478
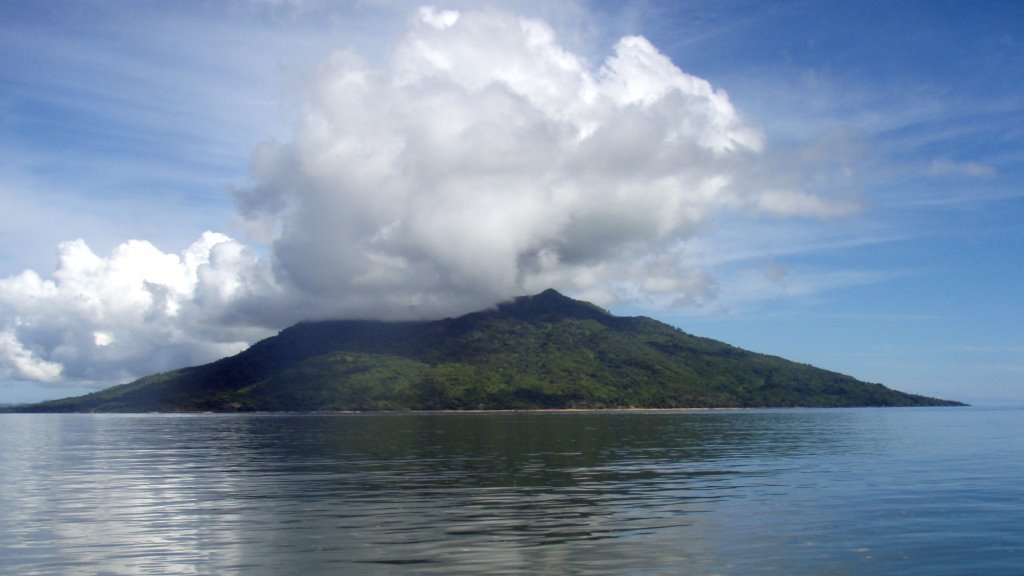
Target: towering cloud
481,160
484,161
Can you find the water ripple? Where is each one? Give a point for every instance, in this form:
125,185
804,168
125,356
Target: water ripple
747,492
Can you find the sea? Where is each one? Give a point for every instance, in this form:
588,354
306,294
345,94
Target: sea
804,491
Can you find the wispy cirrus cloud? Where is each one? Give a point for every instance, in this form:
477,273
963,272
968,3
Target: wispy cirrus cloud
944,167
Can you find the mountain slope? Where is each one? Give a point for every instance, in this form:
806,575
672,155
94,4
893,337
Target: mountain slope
542,351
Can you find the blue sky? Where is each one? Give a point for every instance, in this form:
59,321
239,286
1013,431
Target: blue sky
835,183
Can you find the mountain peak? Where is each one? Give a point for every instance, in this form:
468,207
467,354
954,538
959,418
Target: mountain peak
550,304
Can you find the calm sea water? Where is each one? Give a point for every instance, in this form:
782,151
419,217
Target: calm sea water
864,491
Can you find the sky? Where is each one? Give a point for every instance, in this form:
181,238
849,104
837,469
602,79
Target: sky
837,183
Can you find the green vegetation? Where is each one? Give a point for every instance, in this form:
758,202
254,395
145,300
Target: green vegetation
544,351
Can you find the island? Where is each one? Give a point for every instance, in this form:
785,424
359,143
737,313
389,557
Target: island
545,351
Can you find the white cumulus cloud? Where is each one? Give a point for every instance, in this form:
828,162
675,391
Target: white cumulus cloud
485,160
133,311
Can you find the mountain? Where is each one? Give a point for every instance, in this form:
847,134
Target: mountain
542,351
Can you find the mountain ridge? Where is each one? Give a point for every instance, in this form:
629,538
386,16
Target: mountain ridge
533,352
